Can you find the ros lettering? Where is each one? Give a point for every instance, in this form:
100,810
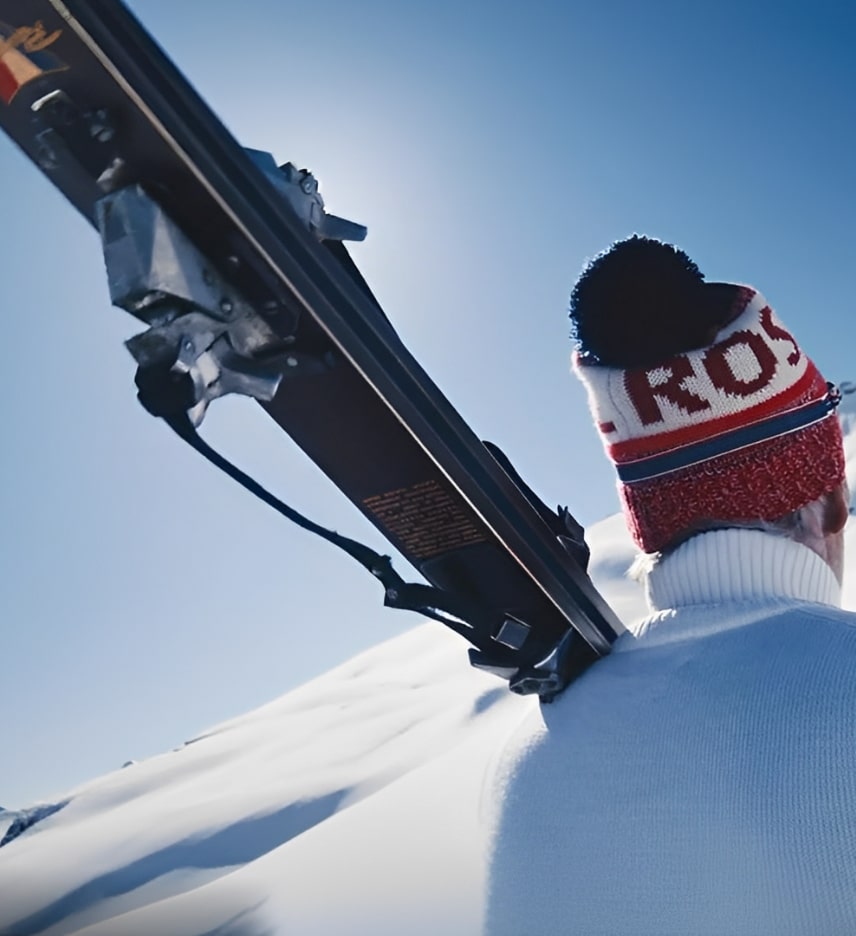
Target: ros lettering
720,372
646,397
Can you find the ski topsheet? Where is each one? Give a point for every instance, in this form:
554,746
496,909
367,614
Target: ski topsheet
100,109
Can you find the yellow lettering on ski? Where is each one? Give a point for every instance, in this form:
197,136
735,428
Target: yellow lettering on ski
29,38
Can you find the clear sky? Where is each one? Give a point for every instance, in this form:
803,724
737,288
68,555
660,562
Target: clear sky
490,148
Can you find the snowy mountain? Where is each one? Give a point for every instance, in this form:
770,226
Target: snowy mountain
348,806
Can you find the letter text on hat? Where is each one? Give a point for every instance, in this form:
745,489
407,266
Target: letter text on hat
644,393
720,366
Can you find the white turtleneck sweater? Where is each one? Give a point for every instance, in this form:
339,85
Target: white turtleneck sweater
702,778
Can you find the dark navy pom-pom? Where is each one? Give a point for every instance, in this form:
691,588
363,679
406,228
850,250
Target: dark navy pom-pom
640,302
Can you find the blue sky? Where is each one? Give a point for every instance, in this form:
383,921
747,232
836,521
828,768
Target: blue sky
490,148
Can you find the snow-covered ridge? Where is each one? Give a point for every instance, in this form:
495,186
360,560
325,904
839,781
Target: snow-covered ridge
258,791
253,825
26,819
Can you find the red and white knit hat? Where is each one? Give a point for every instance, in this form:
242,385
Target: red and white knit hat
741,430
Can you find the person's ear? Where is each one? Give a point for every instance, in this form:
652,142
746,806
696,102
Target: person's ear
836,509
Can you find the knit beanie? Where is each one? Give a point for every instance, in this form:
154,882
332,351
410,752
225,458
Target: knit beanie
706,405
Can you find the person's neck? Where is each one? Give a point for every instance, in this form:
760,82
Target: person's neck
739,565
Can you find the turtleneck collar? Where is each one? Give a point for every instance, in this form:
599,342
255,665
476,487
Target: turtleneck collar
740,565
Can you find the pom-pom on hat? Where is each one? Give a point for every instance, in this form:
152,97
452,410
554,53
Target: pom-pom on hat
710,411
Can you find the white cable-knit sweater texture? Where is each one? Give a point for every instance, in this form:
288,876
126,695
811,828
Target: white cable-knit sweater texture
702,778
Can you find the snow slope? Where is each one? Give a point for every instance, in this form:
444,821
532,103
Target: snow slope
349,806
334,782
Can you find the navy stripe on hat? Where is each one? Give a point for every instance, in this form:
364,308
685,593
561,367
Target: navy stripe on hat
663,463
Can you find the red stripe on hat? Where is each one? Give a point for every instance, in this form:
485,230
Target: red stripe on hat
764,482
810,386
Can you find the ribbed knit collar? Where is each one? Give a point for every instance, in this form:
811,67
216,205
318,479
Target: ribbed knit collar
740,565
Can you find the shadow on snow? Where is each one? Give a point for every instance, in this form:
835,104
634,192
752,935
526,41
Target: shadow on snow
240,843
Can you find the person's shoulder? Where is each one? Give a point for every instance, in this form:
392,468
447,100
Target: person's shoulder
816,628
822,614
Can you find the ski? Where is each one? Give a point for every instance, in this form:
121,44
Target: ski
246,286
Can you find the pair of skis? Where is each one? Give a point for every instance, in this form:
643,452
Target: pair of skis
245,285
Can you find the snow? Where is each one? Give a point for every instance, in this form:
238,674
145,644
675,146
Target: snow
364,783
349,755
348,806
